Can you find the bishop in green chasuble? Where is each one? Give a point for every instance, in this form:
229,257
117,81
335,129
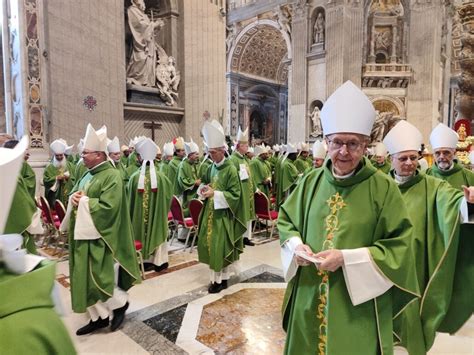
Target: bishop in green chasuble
102,259
29,323
435,209
222,221
188,175
261,173
149,205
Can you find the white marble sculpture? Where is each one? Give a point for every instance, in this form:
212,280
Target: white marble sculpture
141,67
315,117
167,78
319,29
283,18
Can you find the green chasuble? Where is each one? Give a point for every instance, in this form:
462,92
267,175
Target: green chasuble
149,211
22,209
248,187
204,166
124,160
434,207
80,170
288,176
29,178
173,174
458,312
385,167
132,159
261,172
187,176
64,187
91,262
131,169
301,164
356,212
220,239
29,324
165,169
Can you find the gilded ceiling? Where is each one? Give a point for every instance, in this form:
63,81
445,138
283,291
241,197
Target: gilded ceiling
261,52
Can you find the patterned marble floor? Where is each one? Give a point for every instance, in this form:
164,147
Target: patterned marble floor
172,313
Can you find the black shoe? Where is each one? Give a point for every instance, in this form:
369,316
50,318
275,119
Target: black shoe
119,316
149,266
93,326
248,242
161,267
224,284
215,287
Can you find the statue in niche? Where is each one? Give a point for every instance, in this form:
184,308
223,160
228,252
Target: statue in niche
315,116
283,17
141,67
386,7
319,29
382,40
167,78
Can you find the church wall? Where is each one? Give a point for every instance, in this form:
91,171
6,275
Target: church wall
85,44
204,66
316,80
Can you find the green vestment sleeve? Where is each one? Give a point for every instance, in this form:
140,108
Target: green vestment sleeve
187,177
29,178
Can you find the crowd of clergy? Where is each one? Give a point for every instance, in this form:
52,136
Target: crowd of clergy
376,245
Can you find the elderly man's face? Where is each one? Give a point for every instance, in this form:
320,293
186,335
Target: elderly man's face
444,157
243,148
380,159
318,162
346,151
405,163
59,157
115,156
217,154
92,158
193,157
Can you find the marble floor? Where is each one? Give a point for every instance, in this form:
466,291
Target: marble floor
172,313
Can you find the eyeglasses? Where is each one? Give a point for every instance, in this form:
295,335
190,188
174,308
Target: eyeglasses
85,153
446,153
405,158
351,145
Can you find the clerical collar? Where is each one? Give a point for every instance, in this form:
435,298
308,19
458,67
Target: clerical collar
342,177
402,179
220,163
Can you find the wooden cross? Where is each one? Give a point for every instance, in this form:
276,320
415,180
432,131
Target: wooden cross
152,125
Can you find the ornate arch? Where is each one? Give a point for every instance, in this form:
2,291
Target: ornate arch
261,49
384,103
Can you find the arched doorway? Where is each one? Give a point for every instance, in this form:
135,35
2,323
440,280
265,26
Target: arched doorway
257,80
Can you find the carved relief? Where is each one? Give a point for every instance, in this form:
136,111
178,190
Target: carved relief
283,17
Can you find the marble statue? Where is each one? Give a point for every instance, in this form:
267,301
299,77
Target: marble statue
231,35
319,29
315,116
141,67
167,78
283,18
384,122
387,7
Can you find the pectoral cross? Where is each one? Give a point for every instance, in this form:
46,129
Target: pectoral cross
152,125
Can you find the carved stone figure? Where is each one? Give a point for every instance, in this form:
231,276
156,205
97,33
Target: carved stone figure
315,117
384,122
319,29
387,7
231,35
283,18
167,78
141,67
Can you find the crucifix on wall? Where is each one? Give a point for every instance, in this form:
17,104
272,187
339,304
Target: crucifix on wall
152,125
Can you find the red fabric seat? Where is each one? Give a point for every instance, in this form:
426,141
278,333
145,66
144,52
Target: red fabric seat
170,216
189,222
138,245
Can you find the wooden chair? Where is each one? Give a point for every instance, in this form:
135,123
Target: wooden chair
180,221
195,209
263,212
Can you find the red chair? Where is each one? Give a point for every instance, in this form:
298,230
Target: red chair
195,208
263,212
180,221
60,210
138,249
50,221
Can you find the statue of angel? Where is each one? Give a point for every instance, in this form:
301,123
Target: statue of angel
167,77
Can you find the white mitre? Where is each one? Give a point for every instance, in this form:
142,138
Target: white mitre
260,149
291,148
213,134
147,150
168,149
95,141
58,146
443,137
348,110
319,150
380,150
243,137
191,147
402,137
113,145
471,157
